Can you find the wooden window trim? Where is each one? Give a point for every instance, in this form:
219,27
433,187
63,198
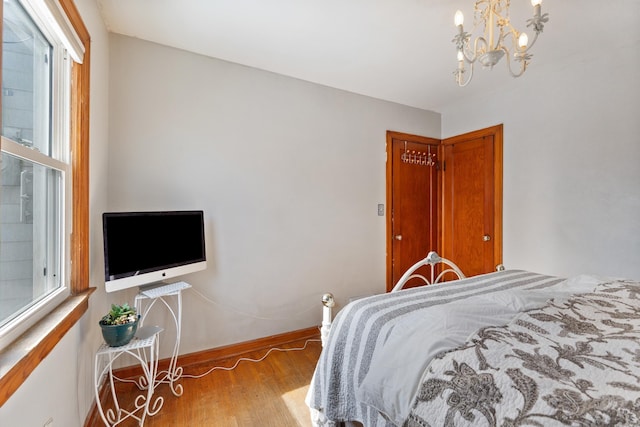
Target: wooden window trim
21,357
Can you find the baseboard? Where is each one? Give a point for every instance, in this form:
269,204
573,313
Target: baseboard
209,356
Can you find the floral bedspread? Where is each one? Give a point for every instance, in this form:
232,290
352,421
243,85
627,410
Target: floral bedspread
574,363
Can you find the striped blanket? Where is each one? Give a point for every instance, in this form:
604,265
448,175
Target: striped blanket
362,329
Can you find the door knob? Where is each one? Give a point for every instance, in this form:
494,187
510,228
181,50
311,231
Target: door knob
398,237
486,238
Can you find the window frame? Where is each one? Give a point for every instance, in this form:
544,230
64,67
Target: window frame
23,355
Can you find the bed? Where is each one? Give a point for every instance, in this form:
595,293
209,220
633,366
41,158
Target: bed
510,348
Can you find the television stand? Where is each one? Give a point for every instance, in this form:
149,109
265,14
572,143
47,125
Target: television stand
147,297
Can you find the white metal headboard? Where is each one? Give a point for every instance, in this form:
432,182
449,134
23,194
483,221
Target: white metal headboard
431,260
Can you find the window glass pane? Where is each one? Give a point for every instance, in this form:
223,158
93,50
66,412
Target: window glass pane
29,246
26,80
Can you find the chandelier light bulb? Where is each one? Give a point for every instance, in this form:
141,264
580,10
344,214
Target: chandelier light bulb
458,19
536,2
523,40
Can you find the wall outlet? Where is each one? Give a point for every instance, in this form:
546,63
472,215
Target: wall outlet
381,209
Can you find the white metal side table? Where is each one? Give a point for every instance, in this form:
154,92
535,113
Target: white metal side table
145,351
144,302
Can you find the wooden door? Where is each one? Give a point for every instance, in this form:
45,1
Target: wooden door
412,201
472,200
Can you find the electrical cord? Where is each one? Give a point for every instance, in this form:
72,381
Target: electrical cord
246,359
224,368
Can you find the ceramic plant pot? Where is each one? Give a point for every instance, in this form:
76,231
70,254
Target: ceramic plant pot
118,335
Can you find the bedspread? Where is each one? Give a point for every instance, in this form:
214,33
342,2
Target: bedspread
361,329
573,363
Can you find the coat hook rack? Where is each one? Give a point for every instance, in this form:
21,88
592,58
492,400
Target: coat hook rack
420,158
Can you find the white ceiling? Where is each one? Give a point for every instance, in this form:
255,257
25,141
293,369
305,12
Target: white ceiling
396,50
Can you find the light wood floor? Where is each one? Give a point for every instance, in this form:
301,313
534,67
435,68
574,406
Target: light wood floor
267,393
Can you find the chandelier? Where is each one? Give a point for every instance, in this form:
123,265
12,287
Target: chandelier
499,38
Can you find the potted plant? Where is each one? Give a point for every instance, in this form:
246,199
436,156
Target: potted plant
119,325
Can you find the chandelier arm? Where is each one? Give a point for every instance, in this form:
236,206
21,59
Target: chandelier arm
523,67
459,75
471,56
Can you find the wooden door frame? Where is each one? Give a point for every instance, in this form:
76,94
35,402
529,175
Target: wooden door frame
497,133
391,135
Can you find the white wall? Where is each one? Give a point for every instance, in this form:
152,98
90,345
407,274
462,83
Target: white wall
571,153
51,391
289,175
61,386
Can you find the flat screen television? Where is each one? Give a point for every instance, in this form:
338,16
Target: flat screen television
142,248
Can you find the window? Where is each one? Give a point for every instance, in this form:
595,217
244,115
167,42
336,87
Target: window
35,146
19,358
